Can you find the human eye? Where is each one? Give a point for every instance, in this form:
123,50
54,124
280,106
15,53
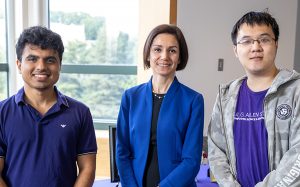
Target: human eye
172,50
246,41
156,49
51,60
265,40
31,58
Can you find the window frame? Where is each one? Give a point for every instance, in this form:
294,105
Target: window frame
4,66
100,69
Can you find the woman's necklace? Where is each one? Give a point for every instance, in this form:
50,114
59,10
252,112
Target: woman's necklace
159,96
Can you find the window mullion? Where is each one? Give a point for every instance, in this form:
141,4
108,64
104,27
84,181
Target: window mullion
100,69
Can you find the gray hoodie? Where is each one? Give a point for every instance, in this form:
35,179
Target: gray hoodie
282,120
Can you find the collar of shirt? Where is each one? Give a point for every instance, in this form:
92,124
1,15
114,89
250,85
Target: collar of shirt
61,99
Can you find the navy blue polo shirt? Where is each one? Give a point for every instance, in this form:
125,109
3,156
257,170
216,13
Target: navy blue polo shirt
42,150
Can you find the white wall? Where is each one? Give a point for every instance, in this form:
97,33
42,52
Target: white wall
147,21
207,26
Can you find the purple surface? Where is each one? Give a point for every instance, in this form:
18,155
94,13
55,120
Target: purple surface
104,183
202,178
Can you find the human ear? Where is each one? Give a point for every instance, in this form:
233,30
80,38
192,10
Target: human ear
19,64
235,51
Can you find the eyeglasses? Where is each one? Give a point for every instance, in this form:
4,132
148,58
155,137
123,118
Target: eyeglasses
263,41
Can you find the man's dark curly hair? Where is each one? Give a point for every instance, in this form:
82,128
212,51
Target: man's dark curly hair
42,37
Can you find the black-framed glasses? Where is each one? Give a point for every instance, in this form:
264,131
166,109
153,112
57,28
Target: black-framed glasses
263,41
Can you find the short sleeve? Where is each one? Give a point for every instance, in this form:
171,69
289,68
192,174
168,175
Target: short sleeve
87,140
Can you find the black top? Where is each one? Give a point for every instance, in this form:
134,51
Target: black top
151,176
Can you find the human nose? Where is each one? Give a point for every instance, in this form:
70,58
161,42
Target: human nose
164,54
256,45
40,64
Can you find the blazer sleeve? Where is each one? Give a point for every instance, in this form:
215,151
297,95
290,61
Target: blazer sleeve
218,151
123,151
187,170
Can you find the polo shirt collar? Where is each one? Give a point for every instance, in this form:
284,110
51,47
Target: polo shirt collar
61,99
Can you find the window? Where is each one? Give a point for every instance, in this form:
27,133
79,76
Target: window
99,62
3,49
100,59
100,92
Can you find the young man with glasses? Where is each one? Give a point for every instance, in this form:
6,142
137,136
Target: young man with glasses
254,133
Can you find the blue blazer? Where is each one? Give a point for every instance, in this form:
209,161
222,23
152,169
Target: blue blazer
179,135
